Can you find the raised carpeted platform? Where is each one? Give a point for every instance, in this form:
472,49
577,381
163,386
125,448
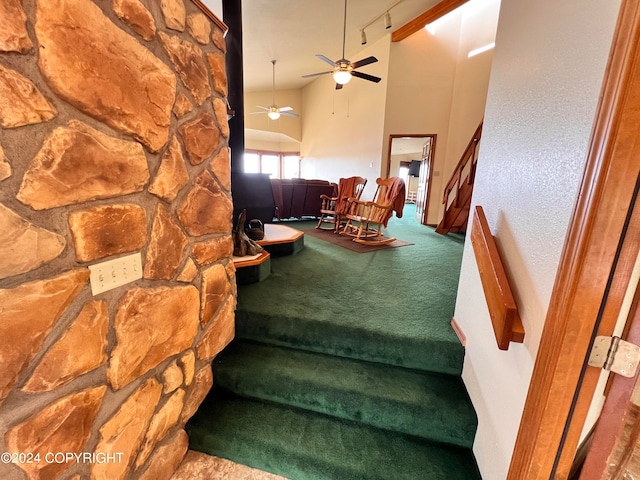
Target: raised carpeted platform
345,366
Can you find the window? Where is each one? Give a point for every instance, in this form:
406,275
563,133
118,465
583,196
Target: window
276,164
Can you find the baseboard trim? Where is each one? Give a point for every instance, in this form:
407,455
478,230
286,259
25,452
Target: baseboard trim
459,333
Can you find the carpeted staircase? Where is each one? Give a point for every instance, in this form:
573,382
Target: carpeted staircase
345,367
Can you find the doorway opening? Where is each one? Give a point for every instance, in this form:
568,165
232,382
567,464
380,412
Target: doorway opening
410,157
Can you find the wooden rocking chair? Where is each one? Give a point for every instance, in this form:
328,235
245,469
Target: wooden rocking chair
371,216
334,208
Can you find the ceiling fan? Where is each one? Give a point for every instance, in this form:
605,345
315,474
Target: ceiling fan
343,69
274,112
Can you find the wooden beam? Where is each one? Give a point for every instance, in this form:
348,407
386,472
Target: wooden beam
431,15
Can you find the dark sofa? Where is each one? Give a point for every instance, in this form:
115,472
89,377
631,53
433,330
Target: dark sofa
298,197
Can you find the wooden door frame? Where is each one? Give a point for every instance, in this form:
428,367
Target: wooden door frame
433,137
591,269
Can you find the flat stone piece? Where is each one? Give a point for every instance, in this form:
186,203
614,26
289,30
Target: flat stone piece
77,163
187,59
136,15
109,230
21,103
188,364
5,166
172,175
166,418
29,312
125,430
151,325
118,81
220,109
166,247
210,251
217,37
218,72
199,27
24,246
220,333
220,165
172,377
81,349
182,106
197,465
167,458
13,27
201,138
207,209
63,426
174,14
215,290
202,383
189,272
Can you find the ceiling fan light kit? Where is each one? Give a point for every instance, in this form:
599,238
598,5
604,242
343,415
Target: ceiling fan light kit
344,69
274,112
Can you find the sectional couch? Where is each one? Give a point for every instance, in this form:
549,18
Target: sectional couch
298,197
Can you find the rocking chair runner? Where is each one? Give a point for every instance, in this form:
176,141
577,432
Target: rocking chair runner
371,216
334,208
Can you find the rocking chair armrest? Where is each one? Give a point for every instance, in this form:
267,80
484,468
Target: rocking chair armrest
327,197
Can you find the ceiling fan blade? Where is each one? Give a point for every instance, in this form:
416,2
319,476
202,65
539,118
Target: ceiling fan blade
364,61
325,59
339,86
316,74
263,108
288,114
255,113
365,76
285,109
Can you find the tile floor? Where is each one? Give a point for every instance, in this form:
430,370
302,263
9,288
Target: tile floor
199,466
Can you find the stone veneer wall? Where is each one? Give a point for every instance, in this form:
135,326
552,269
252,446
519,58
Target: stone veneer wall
113,140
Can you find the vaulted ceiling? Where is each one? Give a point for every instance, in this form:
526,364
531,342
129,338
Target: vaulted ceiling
293,31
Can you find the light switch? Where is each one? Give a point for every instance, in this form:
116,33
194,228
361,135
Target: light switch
115,273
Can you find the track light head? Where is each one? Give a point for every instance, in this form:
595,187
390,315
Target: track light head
387,20
363,37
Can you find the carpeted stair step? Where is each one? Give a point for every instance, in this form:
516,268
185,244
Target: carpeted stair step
302,445
431,406
438,354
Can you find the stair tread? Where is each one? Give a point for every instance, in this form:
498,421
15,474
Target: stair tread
385,396
303,445
439,351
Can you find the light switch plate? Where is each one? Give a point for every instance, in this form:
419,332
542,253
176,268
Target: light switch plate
115,273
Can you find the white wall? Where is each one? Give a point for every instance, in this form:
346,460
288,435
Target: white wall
215,6
546,76
435,89
342,129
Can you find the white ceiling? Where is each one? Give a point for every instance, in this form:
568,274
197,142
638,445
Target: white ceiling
293,31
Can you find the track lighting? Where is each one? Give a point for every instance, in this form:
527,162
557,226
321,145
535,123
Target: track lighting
386,16
387,20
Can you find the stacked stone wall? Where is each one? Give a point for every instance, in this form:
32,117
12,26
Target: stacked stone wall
113,141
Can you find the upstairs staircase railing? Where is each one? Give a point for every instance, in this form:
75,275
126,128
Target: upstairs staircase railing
457,193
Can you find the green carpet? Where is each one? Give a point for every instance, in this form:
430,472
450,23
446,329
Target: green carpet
345,366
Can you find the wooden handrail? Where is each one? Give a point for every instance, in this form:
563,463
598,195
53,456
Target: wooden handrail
468,154
507,325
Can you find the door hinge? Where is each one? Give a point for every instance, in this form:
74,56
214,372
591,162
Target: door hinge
615,355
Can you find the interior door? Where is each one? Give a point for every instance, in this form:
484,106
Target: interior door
615,446
424,182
